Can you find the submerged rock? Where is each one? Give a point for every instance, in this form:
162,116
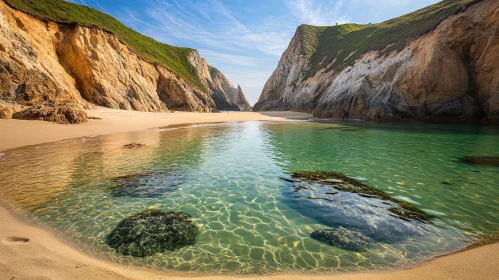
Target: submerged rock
345,128
347,184
344,238
134,145
147,184
481,160
336,200
153,231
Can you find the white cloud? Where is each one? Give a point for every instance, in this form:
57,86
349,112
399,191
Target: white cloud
245,51
316,14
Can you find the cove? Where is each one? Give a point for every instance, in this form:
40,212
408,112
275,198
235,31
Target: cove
229,179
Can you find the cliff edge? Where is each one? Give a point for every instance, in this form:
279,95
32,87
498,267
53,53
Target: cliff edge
54,63
440,63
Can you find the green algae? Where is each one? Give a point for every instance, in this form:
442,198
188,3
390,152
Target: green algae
152,231
340,182
344,238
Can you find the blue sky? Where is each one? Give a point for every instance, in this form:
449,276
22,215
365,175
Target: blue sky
244,38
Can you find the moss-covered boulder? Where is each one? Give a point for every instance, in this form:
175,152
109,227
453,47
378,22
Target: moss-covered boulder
344,238
153,231
403,209
336,200
145,184
481,160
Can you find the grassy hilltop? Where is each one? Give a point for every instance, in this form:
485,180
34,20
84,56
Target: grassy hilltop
62,12
347,42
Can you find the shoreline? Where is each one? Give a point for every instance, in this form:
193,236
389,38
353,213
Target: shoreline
47,256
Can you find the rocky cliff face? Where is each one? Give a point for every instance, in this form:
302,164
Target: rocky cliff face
240,99
45,64
448,74
223,92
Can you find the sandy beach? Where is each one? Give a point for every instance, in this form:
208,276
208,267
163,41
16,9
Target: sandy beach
45,256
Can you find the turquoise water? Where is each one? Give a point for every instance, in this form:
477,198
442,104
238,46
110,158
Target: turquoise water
227,176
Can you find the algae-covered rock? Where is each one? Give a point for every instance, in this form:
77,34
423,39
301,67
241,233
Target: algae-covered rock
336,200
481,160
146,184
344,238
346,184
153,231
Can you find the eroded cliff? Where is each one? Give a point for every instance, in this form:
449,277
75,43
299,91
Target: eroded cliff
447,72
48,67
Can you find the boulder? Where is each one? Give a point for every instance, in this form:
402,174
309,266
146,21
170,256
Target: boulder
65,114
146,184
152,231
344,238
335,200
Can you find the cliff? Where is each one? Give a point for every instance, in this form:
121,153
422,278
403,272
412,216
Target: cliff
53,61
240,99
440,63
225,95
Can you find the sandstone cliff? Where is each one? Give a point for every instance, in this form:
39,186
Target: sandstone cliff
449,71
67,67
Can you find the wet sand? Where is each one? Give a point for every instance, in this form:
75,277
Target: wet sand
45,256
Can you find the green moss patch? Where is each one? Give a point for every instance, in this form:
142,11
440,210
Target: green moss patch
340,182
152,231
63,12
336,47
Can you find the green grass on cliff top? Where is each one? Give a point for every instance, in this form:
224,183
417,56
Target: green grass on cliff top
339,46
60,11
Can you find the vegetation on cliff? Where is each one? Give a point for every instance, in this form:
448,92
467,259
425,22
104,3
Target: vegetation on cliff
335,47
62,12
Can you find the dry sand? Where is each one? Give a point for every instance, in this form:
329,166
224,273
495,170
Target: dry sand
47,257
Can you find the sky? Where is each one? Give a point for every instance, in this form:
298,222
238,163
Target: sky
244,38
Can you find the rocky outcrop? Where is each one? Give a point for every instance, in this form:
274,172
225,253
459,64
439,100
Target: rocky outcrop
65,114
240,100
225,96
6,111
43,63
152,231
448,74
335,200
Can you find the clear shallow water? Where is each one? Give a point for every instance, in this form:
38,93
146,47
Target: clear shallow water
227,178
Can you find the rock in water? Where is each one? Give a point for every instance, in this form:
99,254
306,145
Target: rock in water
344,238
152,231
134,145
481,160
343,183
335,200
147,184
